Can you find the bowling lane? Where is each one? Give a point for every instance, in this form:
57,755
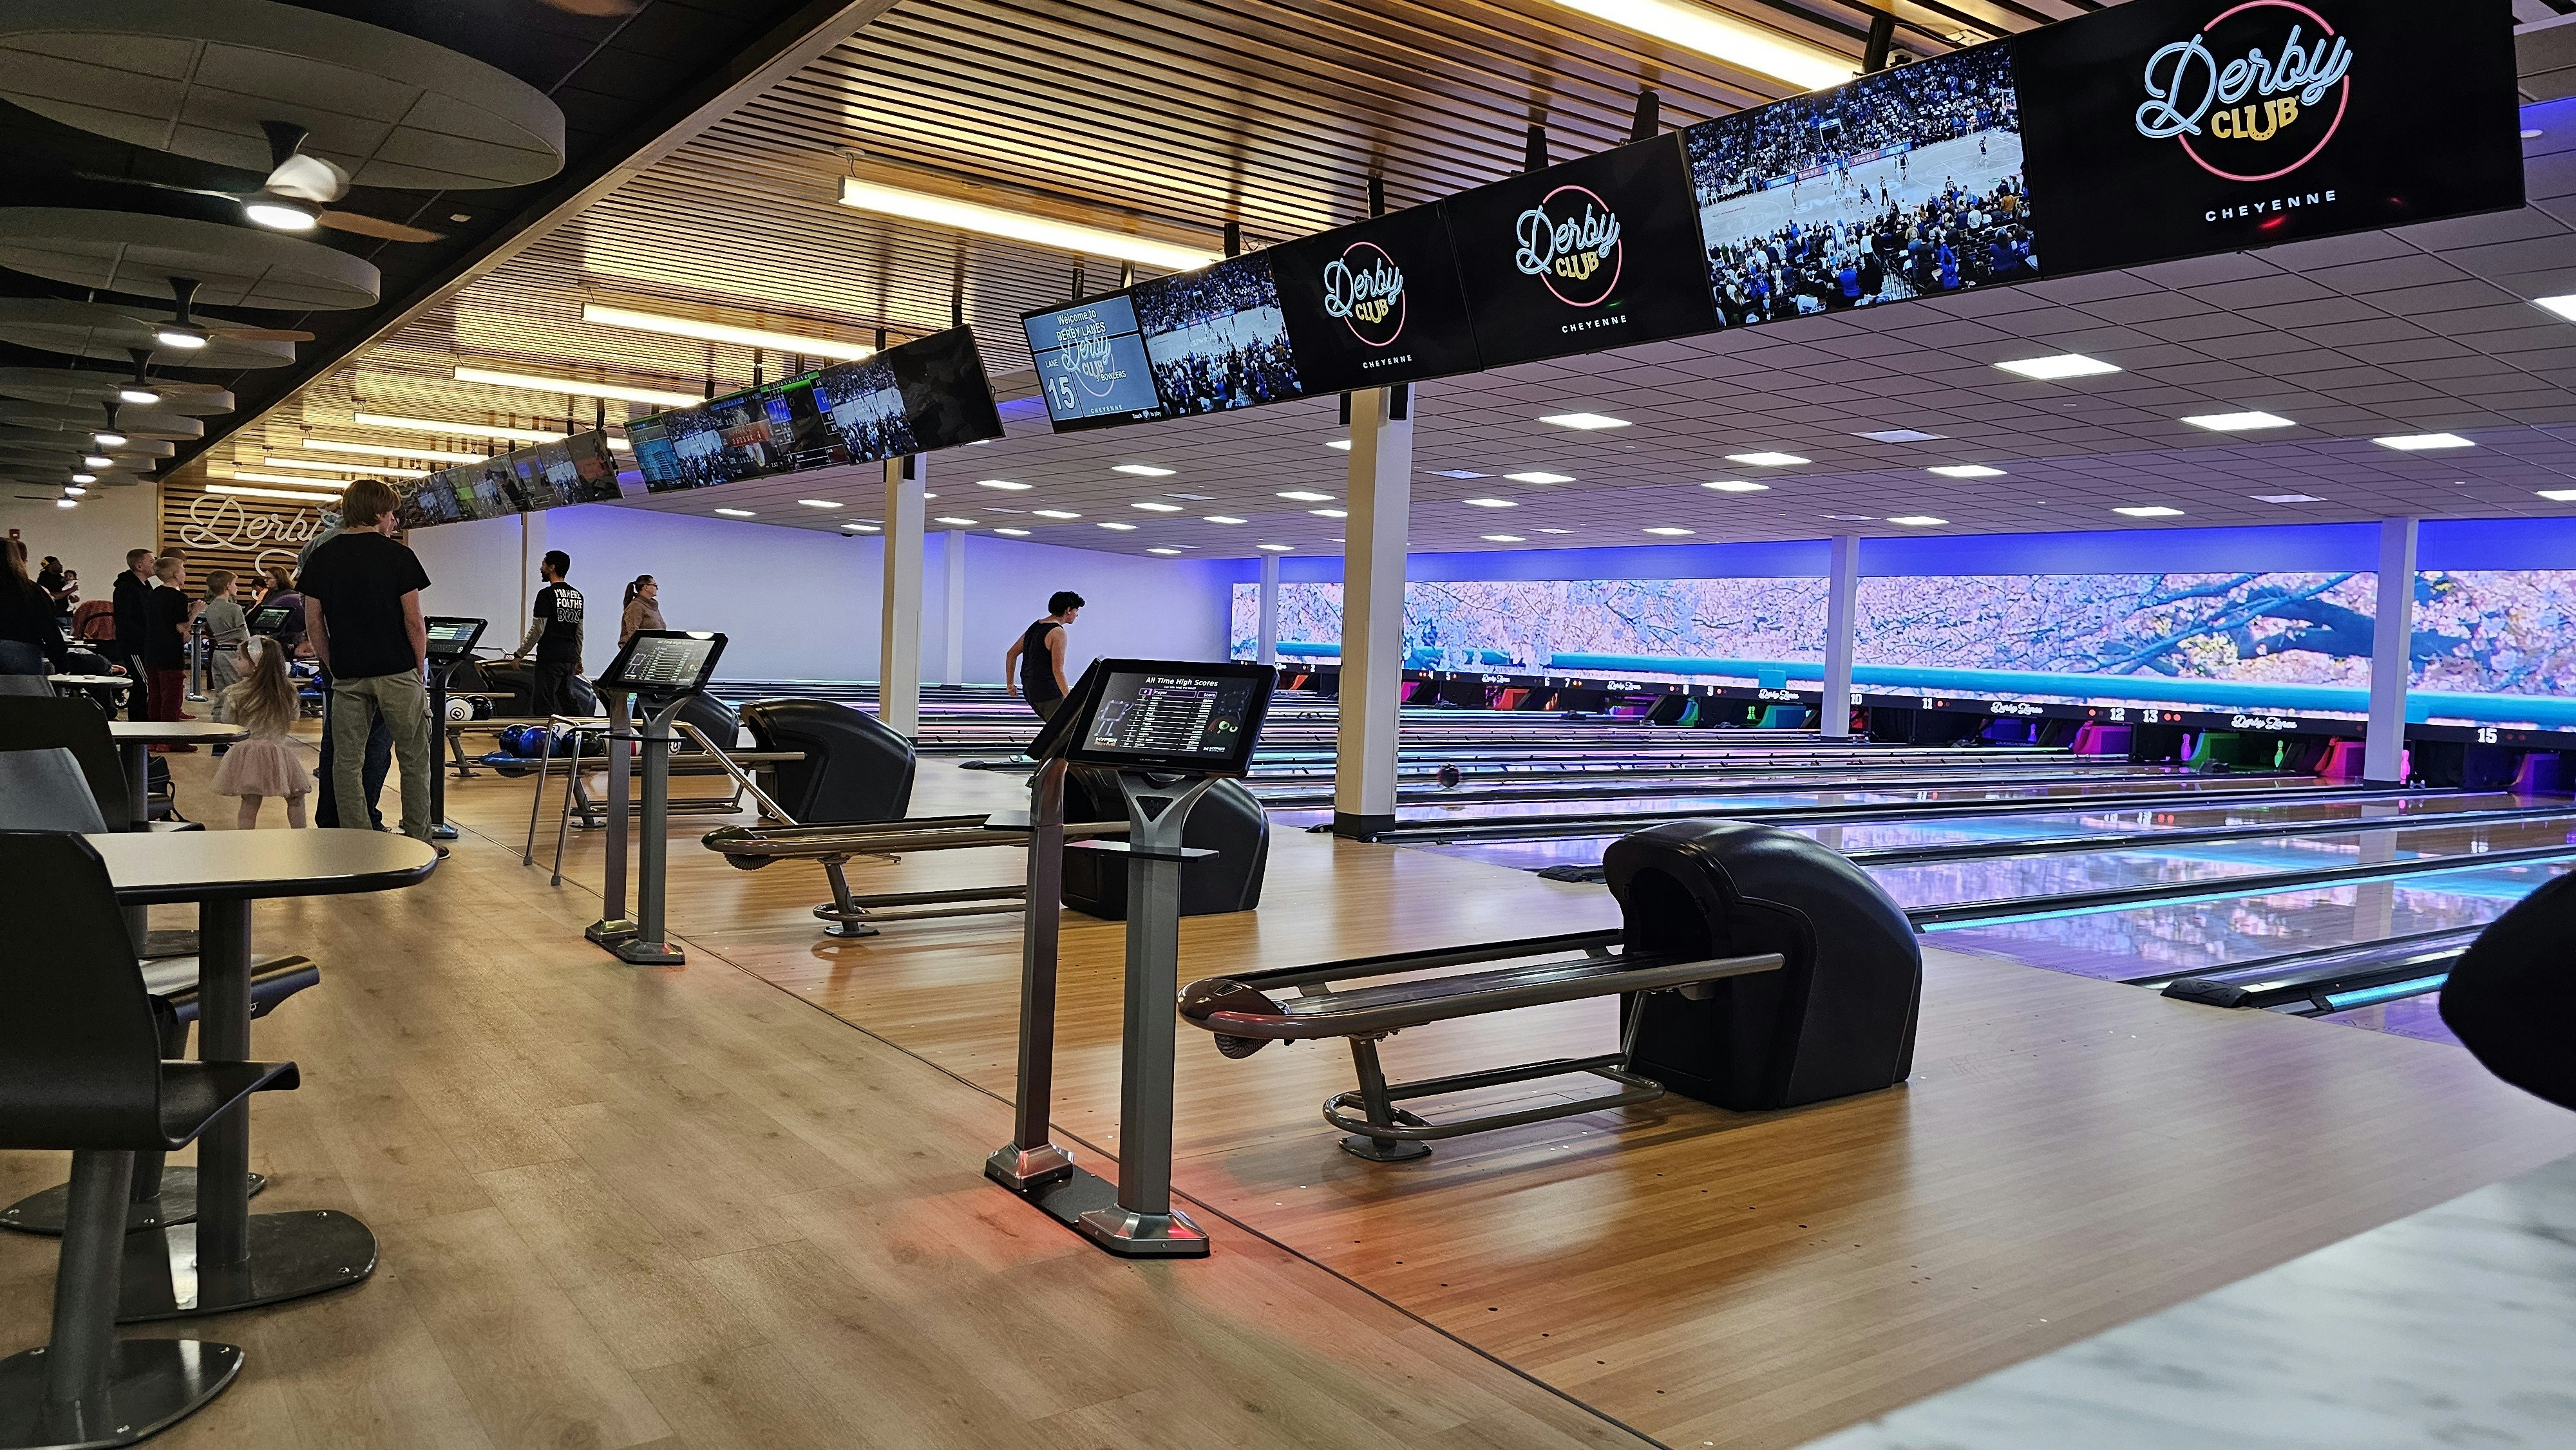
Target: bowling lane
2181,938
2419,1017
1533,855
2208,863
1720,803
1638,778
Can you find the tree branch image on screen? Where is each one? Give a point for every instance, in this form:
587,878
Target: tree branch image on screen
1091,364
1903,184
2178,127
1592,254
1217,338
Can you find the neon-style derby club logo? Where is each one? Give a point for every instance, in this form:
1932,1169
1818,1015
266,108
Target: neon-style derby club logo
1365,289
2254,95
1570,241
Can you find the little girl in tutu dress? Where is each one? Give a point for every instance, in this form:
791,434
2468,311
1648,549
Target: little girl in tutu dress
265,763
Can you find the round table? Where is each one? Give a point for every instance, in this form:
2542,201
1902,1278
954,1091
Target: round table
134,741
231,1258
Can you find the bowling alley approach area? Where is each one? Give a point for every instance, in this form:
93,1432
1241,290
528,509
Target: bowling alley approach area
1662,725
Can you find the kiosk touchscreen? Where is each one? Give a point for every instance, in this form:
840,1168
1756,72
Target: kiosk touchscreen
1163,715
664,662
451,638
270,619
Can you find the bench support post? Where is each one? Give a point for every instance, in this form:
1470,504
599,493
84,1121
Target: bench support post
1381,1110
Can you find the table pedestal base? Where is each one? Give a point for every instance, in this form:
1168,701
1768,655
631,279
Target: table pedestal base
152,1385
42,1213
291,1255
158,944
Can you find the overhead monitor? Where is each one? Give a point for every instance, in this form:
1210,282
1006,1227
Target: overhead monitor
1092,367
1594,254
1217,338
452,637
925,395
1375,303
1903,184
2174,128
664,662
1172,715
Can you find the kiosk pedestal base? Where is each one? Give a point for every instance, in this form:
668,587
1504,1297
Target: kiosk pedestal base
1026,1170
609,932
1133,1235
636,952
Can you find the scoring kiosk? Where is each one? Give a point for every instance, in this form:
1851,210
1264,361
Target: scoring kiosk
655,674
1169,731
451,643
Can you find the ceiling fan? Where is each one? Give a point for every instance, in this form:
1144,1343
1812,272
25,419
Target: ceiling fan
297,193
184,333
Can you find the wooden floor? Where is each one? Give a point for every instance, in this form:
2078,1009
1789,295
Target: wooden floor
682,1207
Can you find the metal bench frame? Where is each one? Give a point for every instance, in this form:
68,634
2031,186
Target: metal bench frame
851,915
1537,973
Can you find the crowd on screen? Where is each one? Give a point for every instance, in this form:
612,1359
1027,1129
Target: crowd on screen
1915,106
1954,239
1237,350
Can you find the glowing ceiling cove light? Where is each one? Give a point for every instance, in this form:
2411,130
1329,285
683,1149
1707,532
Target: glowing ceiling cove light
994,221
761,337
1739,43
577,387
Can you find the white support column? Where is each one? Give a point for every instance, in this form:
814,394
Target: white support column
953,618
2392,644
1842,632
899,644
1372,684
1266,635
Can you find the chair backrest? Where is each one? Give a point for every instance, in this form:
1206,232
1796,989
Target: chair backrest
80,1058
76,725
43,790
32,686
855,769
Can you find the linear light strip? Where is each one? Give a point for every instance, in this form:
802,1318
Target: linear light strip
578,387
1751,47
627,317
993,221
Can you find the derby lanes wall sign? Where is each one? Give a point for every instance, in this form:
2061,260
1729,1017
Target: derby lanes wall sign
226,531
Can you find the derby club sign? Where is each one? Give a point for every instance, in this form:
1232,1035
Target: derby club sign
226,531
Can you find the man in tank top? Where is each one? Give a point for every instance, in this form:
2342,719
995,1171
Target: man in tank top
1033,667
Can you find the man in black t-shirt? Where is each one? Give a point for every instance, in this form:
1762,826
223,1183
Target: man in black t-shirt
555,633
1038,656
362,613
132,596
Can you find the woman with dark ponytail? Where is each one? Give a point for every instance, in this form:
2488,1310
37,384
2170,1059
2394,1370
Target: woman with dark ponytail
643,608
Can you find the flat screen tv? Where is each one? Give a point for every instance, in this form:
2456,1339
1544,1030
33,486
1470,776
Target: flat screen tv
1092,366
1375,303
1216,337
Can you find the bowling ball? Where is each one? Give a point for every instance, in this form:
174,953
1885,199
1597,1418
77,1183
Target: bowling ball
459,711
1449,777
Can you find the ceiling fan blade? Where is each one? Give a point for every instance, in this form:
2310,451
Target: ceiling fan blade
369,226
252,334
162,185
309,178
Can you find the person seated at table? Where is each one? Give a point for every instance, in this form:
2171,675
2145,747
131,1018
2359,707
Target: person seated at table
265,762
31,635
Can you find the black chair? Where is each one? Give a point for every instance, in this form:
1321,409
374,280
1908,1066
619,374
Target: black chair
42,790
81,1068
2508,997
855,769
30,686
1228,820
713,720
66,723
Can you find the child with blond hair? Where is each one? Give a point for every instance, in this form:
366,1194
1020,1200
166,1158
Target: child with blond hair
265,762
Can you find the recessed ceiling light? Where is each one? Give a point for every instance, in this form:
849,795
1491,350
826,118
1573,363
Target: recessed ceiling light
1669,532
1965,470
1141,470
1457,473
860,528
1502,538
1489,503
952,519
1302,495
1330,513
1055,513
1768,458
737,513
2287,498
2062,365
928,496
819,503
1737,485
2238,422
1900,435
1556,531
2149,511
1539,477
994,221
1122,528
1340,444
578,387
1220,519
1014,533
2559,495
1004,483
1915,521
2423,442
1199,497
1854,518
1276,548
627,317
1587,422
1152,507
1162,551
2564,306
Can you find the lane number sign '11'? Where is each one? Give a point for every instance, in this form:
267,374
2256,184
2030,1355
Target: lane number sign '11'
2181,127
